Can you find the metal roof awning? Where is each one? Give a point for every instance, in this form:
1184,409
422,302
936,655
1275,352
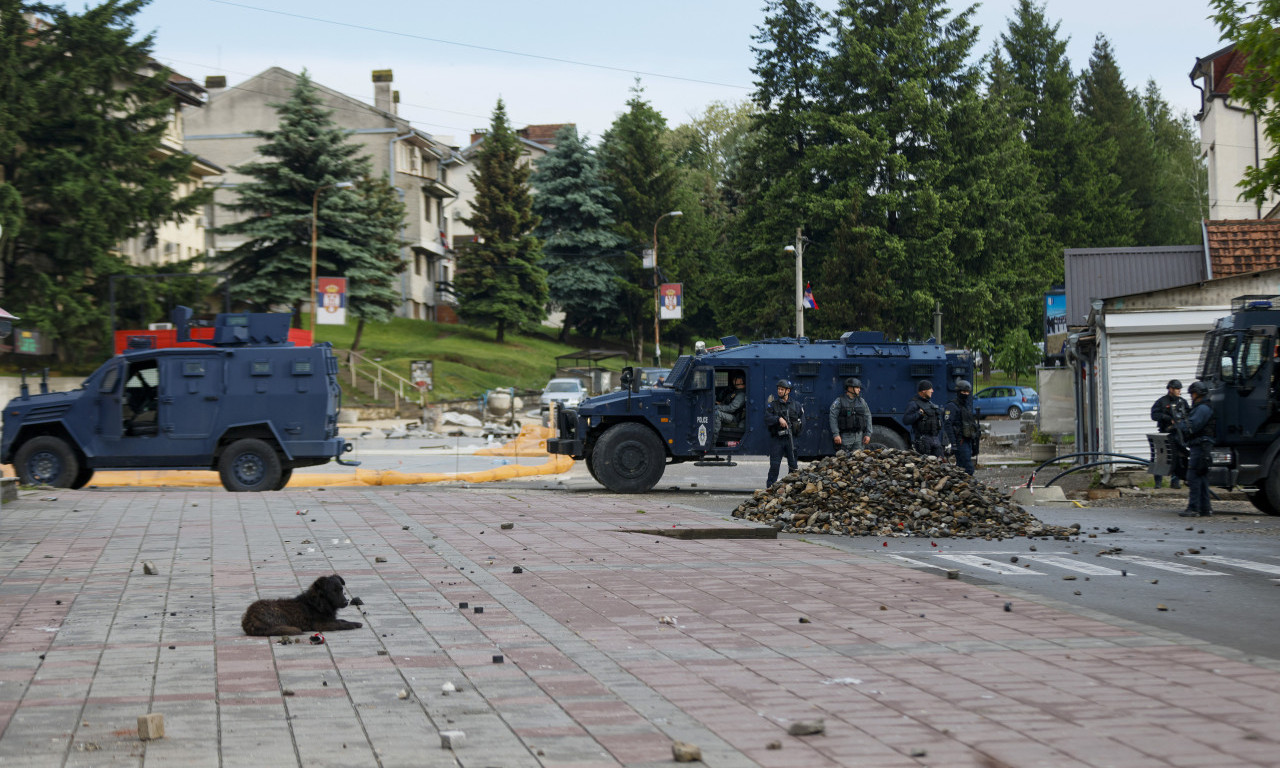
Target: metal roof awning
591,356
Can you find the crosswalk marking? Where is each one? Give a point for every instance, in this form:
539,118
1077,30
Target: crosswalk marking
1073,565
987,565
1246,564
1166,565
986,561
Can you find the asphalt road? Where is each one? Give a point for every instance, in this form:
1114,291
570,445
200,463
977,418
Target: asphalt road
1217,578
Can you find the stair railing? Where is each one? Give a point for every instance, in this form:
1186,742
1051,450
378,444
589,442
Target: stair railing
383,378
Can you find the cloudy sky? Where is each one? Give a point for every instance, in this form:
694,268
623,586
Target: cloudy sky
576,60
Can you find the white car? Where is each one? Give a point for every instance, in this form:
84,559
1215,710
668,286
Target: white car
566,393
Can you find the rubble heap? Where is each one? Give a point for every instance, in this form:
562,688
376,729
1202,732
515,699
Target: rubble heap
890,493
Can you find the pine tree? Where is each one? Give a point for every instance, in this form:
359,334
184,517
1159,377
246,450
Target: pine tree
1087,207
772,188
639,166
1181,199
1115,113
499,281
579,245
308,161
371,282
83,113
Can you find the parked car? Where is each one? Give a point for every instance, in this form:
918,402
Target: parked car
567,393
1008,401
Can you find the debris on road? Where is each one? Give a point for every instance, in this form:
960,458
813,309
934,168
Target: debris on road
891,493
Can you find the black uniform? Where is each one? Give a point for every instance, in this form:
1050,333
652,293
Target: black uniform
1198,428
783,443
961,426
1165,412
925,419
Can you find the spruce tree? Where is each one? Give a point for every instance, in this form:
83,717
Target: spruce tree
1115,113
499,281
1181,200
83,113
579,246
640,167
308,160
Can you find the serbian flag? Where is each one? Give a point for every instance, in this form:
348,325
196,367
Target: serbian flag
809,301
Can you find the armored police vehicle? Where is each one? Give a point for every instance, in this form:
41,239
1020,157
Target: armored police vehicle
628,437
248,403
1240,364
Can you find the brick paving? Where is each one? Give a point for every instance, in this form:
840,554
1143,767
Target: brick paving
905,667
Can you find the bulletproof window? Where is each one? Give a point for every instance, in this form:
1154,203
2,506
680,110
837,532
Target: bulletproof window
807,369
193,368
301,367
850,369
260,368
1257,347
921,371
109,380
702,378
1227,357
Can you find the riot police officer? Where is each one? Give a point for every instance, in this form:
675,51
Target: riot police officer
784,419
961,425
925,419
1197,429
850,417
1166,411
731,409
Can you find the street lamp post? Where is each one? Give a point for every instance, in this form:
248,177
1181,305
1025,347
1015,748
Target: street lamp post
315,204
798,250
657,350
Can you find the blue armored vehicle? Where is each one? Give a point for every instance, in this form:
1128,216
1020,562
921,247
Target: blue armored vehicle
245,402
628,437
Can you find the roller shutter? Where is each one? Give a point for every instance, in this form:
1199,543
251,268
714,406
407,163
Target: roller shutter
1138,367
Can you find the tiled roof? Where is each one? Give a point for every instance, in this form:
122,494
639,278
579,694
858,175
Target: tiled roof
1238,247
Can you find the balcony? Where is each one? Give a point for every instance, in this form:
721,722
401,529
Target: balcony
445,293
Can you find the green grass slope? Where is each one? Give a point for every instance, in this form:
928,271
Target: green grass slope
467,361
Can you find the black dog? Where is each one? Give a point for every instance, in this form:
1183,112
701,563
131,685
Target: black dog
315,610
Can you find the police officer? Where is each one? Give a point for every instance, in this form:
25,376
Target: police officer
1198,430
1166,411
925,419
784,418
962,426
850,418
732,408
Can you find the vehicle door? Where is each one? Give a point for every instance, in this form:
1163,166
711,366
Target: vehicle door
1253,379
700,394
192,390
110,416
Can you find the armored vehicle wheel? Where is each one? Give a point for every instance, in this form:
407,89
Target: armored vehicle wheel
628,458
1262,503
249,465
285,475
82,478
1015,412
883,437
47,460
592,468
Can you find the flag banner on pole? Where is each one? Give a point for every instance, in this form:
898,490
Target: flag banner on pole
331,301
809,301
671,301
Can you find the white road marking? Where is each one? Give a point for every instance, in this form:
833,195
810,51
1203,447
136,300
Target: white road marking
919,563
1246,564
1166,565
987,565
1073,565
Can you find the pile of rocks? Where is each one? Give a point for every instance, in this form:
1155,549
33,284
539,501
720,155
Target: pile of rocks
890,493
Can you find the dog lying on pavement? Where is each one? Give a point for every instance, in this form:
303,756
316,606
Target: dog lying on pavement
315,610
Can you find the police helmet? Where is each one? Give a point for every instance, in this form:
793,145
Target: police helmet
853,381
963,386
1198,388
923,385
784,383
1173,384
